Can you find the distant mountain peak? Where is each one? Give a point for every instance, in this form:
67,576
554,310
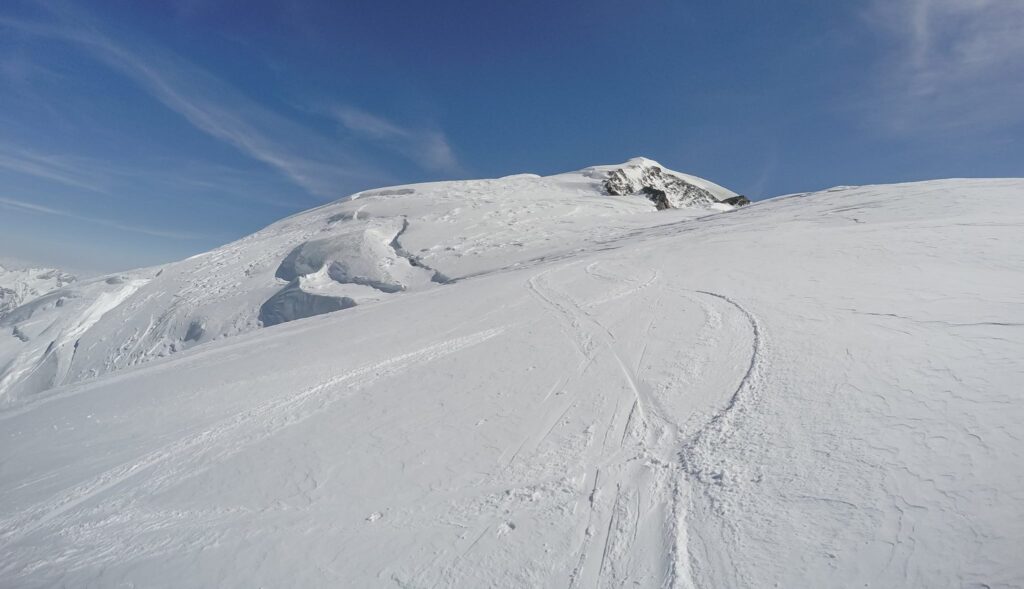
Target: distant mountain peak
665,188
20,285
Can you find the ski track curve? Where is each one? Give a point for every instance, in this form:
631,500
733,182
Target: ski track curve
697,457
746,391
604,551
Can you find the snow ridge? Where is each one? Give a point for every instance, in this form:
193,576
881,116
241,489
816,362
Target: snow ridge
19,286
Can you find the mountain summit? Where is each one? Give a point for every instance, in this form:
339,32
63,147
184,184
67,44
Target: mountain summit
668,189
359,250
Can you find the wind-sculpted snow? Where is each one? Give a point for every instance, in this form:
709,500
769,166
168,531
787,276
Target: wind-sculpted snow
49,330
813,391
20,285
353,252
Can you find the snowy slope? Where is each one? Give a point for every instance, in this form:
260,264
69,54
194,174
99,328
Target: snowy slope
352,252
817,390
20,285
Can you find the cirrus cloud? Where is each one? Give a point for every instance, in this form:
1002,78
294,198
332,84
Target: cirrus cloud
950,63
429,149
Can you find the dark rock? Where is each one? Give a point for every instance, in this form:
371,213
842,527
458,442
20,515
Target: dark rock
665,189
658,197
737,201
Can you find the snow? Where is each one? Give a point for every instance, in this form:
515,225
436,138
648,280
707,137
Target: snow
343,254
638,170
18,285
816,390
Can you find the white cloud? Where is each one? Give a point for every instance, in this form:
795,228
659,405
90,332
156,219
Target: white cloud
953,63
320,166
368,124
152,177
429,149
62,169
28,207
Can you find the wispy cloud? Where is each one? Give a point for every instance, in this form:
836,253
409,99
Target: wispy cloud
63,169
370,125
320,166
428,148
29,207
952,63
150,178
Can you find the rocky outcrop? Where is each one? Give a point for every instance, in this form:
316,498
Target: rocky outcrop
658,196
666,189
737,201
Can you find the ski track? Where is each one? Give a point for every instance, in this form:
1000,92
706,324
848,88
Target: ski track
746,391
615,467
264,420
697,457
592,338
603,554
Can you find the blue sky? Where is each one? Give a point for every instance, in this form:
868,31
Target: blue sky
133,133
